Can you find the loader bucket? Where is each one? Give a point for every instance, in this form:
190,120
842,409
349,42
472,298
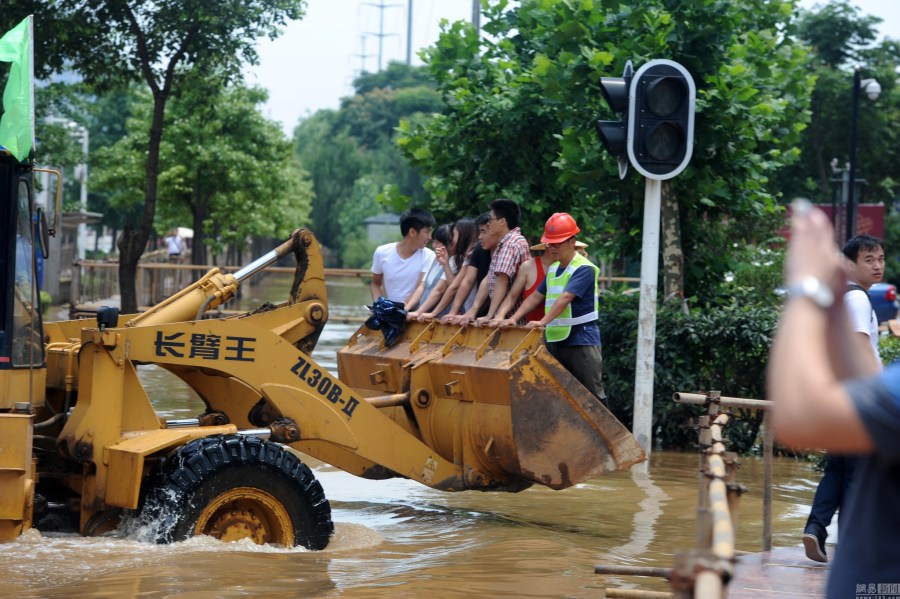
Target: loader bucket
493,401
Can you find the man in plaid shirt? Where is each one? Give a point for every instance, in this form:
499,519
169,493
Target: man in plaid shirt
512,250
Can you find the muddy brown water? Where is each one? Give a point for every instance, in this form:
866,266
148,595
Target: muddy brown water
397,538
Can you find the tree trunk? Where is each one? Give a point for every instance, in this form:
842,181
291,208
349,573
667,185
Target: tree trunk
133,242
198,247
673,257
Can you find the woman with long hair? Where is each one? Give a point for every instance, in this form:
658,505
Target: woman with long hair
465,236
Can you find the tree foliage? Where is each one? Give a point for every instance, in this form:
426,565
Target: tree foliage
843,39
721,345
111,43
522,104
352,156
224,168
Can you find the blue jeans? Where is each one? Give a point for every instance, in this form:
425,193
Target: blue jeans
831,494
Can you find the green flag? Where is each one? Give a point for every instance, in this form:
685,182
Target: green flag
17,122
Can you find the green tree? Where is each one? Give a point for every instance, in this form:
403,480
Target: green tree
521,110
352,151
113,42
334,161
223,167
842,39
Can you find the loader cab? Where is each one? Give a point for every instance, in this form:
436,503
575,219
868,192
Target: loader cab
21,331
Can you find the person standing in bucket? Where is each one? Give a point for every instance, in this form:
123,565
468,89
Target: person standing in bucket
569,294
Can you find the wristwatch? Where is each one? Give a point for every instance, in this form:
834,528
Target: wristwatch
812,288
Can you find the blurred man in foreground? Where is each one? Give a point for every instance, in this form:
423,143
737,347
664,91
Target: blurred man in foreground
829,395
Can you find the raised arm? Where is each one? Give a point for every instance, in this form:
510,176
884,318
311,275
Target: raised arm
813,348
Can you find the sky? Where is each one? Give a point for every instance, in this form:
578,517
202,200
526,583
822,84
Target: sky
313,63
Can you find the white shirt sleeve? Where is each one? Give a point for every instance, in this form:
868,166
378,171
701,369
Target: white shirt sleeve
860,311
428,261
378,260
862,317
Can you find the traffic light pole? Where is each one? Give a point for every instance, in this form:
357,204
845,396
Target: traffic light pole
656,132
642,424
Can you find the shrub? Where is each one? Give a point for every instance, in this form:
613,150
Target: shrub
889,349
46,302
722,346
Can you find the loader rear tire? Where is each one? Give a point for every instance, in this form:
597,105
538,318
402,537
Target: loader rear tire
233,487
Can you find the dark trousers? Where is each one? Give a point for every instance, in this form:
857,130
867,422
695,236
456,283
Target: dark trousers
831,494
585,362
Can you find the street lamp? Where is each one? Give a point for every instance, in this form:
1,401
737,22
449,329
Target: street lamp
872,89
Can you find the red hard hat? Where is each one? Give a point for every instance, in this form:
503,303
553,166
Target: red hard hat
559,227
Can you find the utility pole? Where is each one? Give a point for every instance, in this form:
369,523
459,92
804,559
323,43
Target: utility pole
476,15
409,28
381,6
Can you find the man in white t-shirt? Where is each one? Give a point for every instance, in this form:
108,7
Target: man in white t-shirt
864,266
174,245
398,267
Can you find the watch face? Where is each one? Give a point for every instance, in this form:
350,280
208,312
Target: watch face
815,290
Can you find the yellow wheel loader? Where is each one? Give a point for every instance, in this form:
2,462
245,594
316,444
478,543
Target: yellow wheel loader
81,446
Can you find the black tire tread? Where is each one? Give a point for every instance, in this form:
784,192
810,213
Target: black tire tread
191,466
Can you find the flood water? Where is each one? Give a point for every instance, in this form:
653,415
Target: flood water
396,538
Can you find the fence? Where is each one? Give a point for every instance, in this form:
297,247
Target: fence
704,572
95,281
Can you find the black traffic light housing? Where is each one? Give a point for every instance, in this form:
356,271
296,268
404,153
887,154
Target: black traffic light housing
661,119
614,134
656,132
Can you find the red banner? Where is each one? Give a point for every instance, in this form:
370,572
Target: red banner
869,220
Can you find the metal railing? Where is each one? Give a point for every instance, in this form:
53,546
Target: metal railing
704,571
94,281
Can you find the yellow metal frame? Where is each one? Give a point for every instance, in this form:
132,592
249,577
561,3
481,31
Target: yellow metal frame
452,408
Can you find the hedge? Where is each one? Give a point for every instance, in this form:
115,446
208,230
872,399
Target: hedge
722,345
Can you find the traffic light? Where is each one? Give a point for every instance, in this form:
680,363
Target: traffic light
661,119
614,134
657,128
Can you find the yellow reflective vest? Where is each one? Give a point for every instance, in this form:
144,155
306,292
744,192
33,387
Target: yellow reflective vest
560,328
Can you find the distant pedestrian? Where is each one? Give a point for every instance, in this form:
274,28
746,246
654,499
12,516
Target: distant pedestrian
864,266
174,245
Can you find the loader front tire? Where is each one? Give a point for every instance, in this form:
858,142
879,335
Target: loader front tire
234,487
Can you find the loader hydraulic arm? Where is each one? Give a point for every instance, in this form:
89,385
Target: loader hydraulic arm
212,290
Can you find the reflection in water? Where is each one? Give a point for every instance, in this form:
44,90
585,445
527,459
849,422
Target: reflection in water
643,525
396,538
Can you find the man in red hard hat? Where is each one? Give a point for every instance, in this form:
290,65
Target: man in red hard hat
569,294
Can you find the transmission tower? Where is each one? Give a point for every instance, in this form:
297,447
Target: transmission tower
381,6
